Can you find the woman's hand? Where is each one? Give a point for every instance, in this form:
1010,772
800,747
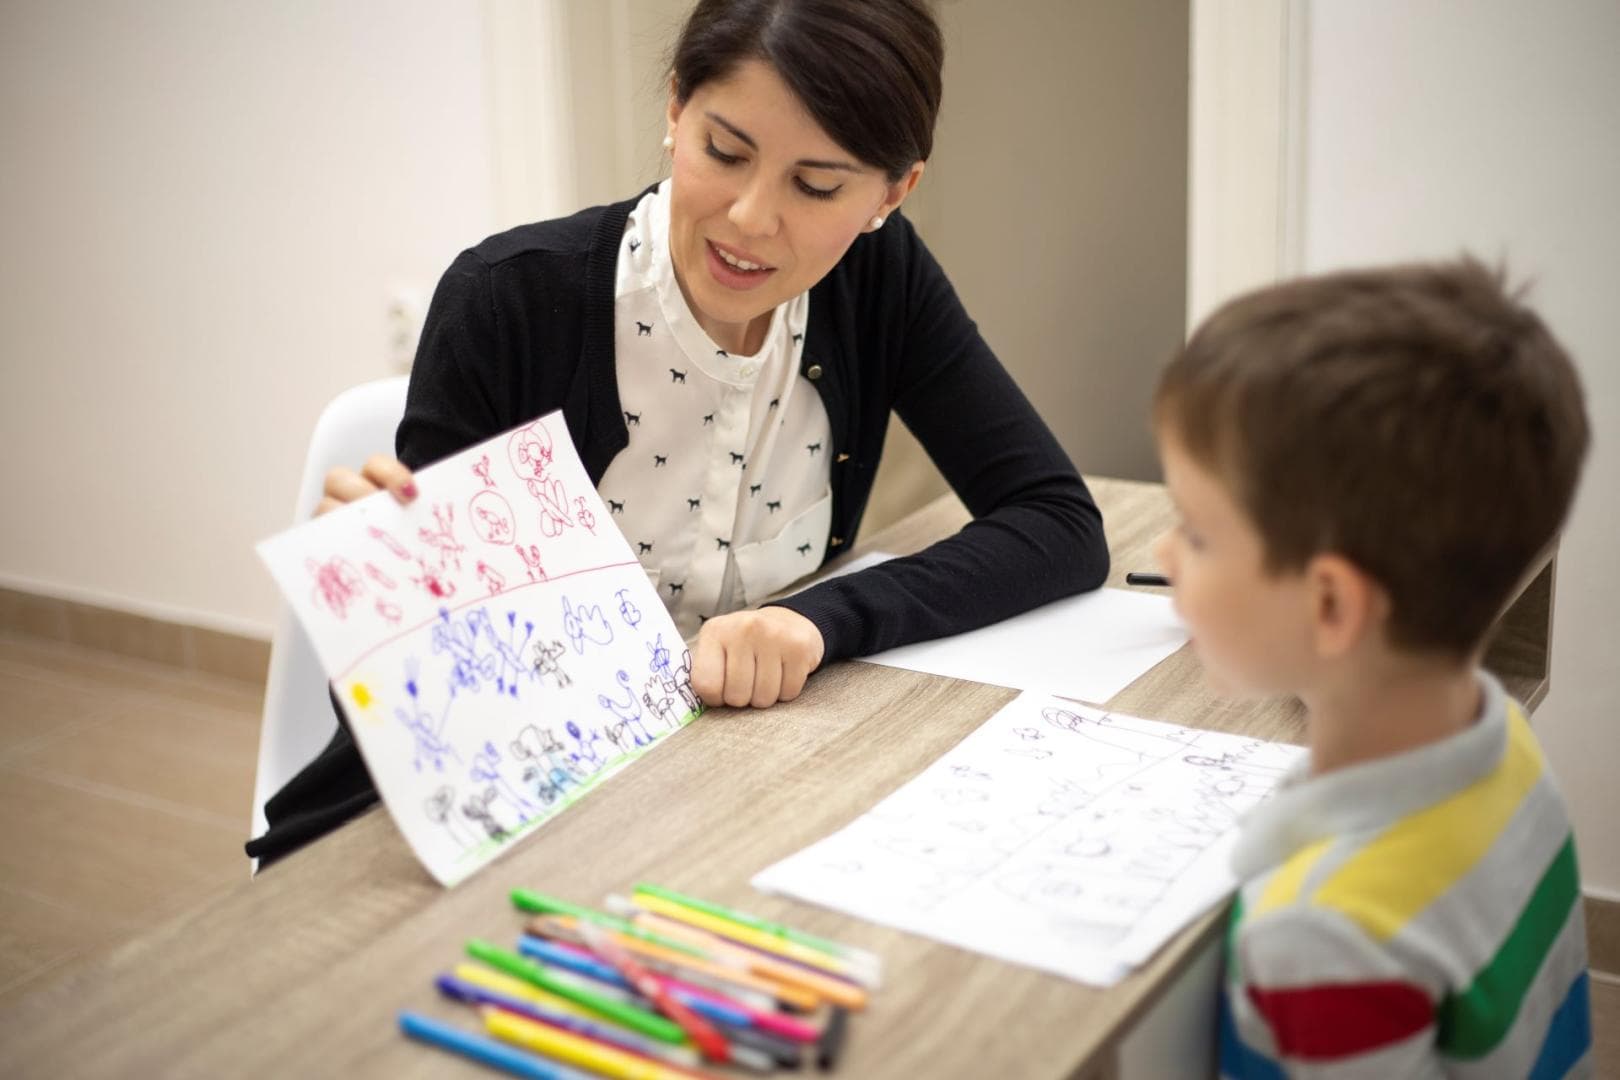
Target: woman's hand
381,472
755,657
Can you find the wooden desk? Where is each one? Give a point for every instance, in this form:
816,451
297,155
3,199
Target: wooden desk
302,971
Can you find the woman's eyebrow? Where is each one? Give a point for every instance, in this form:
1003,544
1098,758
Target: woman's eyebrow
808,163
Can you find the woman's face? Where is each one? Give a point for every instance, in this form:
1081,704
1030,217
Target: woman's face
764,202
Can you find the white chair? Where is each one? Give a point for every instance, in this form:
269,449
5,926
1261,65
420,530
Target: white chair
298,719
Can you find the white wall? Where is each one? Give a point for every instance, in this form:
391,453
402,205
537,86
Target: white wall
203,207
1494,127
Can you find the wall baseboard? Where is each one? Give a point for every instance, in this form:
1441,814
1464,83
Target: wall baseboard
141,637
1603,934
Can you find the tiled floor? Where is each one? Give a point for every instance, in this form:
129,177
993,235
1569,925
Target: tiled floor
124,796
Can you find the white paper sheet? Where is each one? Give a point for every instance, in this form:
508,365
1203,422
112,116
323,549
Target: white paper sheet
1089,646
1057,836
496,646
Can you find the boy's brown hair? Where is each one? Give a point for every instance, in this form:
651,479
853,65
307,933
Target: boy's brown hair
1418,420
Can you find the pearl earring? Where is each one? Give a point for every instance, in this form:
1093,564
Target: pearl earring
669,142
877,222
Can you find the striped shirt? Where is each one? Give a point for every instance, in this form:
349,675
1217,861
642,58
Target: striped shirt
1419,915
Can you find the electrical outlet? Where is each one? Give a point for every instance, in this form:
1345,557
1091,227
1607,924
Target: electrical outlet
403,325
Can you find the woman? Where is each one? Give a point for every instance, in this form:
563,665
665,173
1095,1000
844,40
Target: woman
727,348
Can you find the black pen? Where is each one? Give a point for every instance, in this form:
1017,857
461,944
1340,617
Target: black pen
1134,578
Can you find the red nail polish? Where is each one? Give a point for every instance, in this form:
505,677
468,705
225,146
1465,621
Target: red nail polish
409,491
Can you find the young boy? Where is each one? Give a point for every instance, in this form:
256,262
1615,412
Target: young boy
1365,465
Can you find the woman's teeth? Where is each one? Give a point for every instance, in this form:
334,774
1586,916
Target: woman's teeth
741,264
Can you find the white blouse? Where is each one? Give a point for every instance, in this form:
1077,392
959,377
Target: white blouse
723,490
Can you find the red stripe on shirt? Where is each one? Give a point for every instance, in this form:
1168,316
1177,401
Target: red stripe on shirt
1316,1023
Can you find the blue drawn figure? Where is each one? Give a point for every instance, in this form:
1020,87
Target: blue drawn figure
440,807
660,659
627,610
629,713
586,757
509,652
485,767
479,654
545,662
477,808
585,622
426,731
459,638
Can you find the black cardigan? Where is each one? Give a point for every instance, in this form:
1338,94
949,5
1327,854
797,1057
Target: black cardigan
522,324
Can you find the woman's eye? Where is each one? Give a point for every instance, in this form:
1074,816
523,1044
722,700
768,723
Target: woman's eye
815,192
720,156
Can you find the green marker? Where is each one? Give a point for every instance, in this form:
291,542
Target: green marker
541,904
639,1020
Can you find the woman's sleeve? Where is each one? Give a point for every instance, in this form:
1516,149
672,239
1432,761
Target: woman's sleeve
451,403
1036,533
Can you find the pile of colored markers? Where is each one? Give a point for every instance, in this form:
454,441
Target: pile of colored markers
659,988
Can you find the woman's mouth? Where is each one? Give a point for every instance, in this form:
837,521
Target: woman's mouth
735,270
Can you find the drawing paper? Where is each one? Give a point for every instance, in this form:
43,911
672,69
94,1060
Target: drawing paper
1089,646
1058,836
496,647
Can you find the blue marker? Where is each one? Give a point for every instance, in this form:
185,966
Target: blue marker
549,952
569,960
484,1050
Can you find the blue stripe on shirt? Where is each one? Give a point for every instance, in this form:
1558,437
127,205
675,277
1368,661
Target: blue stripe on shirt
1569,1034
1239,1060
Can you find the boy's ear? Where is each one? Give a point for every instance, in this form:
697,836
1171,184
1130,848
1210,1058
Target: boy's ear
1347,605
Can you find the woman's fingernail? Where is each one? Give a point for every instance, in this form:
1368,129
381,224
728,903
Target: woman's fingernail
409,491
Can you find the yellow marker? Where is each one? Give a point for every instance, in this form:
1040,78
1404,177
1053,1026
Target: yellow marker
576,1050
517,988
361,695
746,935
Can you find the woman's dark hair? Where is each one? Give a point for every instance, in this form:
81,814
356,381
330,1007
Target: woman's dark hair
868,71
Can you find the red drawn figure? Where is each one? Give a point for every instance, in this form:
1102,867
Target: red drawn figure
443,539
389,542
491,517
494,581
583,515
530,452
531,559
554,516
481,470
436,586
389,611
337,584
379,577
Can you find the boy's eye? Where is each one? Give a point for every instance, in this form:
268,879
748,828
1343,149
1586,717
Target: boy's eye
719,155
1193,538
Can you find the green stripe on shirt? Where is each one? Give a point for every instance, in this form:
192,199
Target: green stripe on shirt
1474,1021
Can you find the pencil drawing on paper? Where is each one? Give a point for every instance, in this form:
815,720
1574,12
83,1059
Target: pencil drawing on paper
1049,835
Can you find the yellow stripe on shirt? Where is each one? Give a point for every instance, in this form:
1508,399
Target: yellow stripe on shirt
1401,872
1283,888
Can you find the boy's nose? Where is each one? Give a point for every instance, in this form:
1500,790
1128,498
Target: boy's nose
1162,550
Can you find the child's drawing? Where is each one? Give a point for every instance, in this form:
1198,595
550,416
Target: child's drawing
1056,835
487,687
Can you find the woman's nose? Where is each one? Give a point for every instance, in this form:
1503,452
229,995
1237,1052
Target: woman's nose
754,211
